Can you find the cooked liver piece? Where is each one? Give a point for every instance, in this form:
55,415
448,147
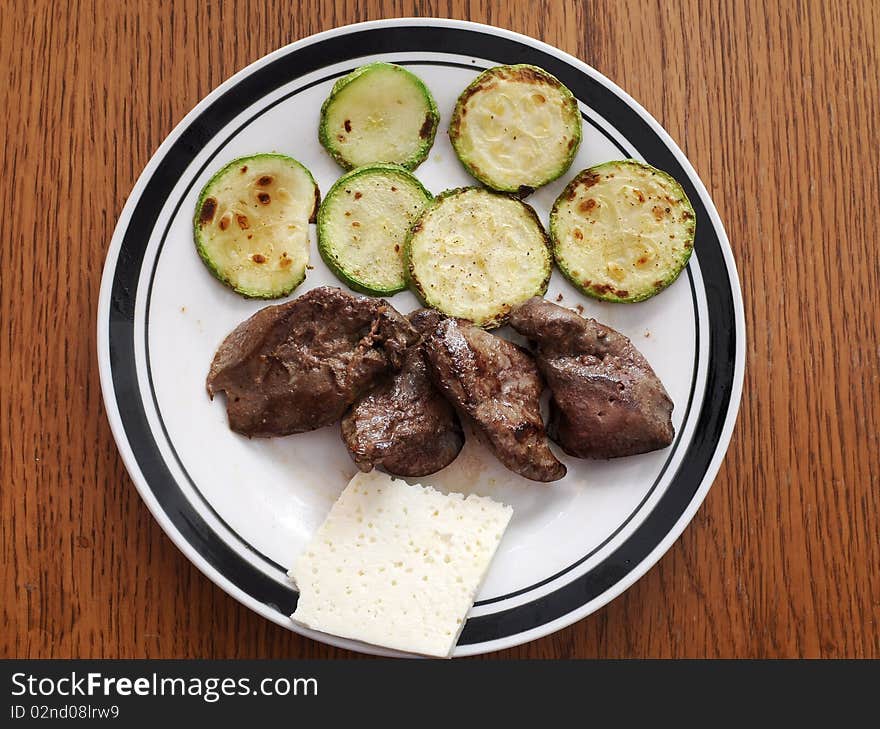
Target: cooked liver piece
498,385
607,401
297,366
404,425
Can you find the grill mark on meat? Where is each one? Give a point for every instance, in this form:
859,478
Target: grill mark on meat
606,400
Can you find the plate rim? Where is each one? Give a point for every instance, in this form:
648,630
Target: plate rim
122,443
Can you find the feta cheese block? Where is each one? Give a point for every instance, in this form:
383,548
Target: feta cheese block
397,565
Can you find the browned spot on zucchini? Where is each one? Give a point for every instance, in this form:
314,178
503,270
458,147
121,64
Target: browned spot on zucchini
313,217
622,293
396,248
587,205
600,288
285,262
264,198
355,224
225,220
209,207
393,189
642,260
658,284
358,196
265,180
639,195
578,234
475,88
347,125
587,178
658,212
340,137
427,126
242,221
538,98
244,169
533,76
258,258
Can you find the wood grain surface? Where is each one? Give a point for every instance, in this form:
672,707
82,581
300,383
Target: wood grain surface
775,103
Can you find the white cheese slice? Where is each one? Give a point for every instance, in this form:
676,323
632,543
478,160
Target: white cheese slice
397,565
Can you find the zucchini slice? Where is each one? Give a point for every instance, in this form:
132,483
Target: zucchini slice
379,113
252,224
362,226
622,231
516,128
475,254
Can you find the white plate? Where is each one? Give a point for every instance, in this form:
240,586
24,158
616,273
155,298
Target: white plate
242,509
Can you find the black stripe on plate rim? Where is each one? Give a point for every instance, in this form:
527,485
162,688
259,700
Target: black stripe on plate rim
365,42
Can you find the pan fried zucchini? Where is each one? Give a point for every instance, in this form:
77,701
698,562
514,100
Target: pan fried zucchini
379,113
362,226
516,128
622,231
251,224
476,254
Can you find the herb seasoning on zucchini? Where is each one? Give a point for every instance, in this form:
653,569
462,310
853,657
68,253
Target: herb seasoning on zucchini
251,224
476,254
622,231
363,223
516,128
379,113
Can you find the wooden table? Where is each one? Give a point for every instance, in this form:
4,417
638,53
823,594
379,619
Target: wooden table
776,104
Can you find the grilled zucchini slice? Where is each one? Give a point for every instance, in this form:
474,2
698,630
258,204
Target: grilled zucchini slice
363,222
379,113
516,128
252,224
622,231
476,254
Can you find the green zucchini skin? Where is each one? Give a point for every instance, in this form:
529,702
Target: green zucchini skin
638,252
539,92
251,169
421,132
336,249
480,258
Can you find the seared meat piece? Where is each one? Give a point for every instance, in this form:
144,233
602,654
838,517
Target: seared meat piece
498,385
297,366
607,401
404,425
